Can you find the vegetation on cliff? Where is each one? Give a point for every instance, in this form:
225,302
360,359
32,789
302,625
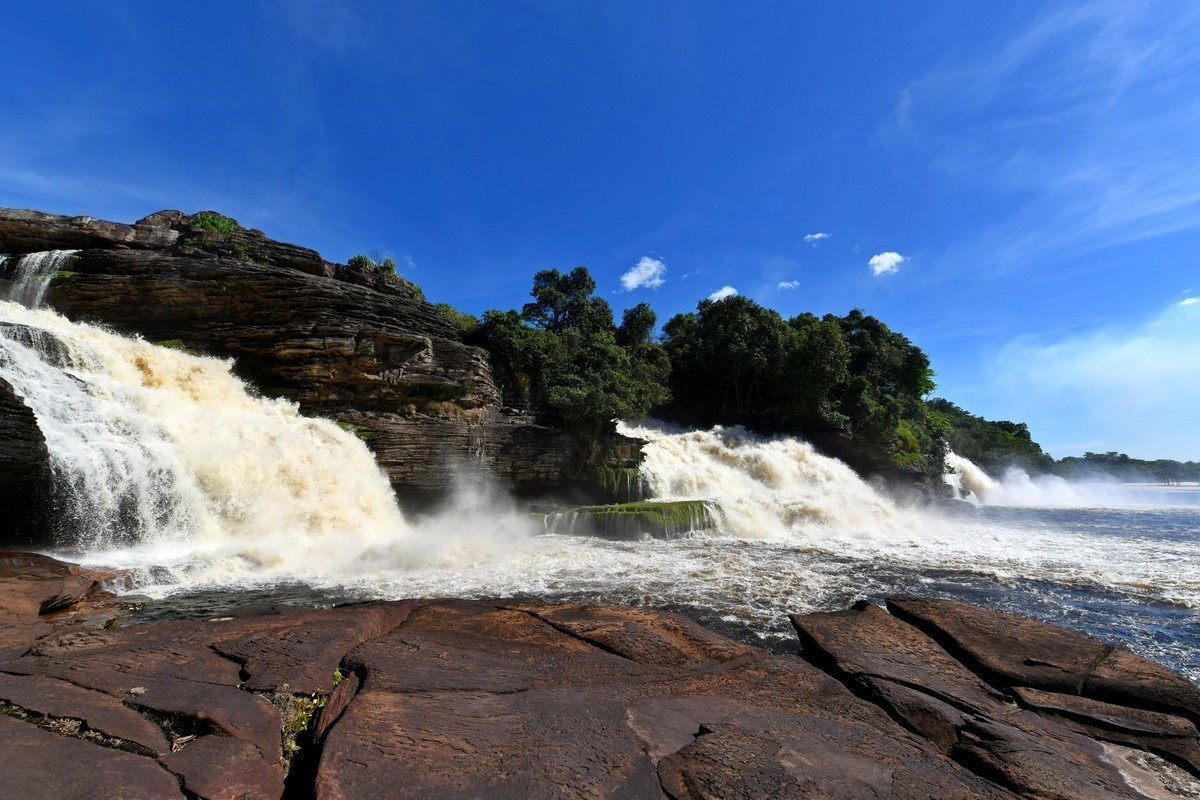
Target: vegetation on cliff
564,351
734,361
994,446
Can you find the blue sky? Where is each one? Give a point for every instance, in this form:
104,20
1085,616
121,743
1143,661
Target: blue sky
1015,186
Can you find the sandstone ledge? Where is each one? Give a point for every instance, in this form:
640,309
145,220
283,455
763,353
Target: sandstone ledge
452,699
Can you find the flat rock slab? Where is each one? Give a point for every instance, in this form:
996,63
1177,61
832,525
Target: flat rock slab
1037,743
472,700
97,711
41,764
1015,650
456,699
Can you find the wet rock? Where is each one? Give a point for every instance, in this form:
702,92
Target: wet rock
342,342
24,471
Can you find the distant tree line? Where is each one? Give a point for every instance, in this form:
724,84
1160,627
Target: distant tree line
734,361
1122,467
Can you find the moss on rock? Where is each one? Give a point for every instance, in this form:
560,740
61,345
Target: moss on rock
632,521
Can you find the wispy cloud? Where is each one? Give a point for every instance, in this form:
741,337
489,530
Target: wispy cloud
1086,119
886,263
648,273
1189,301
1127,388
813,238
789,285
722,293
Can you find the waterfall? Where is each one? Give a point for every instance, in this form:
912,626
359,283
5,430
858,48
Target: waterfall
31,273
760,487
1016,488
151,446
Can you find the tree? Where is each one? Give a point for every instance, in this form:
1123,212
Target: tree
569,357
564,302
637,326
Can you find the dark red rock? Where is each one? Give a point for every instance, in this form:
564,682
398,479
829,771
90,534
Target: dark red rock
24,471
339,700
456,699
529,700
41,764
299,652
1013,650
97,711
223,767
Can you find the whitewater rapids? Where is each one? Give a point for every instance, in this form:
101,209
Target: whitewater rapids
169,466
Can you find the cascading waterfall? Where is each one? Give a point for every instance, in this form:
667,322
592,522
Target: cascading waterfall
1018,489
761,487
30,274
164,450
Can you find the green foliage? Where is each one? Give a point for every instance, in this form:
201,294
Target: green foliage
568,356
725,352
564,302
994,446
364,434
464,321
737,362
637,326
373,263
212,221
662,518
1119,466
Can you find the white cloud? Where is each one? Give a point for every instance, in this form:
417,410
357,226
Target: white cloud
648,273
1189,301
722,293
886,263
1126,388
786,285
813,238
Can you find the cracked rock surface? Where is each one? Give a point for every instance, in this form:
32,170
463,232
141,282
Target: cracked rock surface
457,699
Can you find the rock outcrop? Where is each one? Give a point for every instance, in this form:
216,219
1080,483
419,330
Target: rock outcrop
24,469
454,699
345,343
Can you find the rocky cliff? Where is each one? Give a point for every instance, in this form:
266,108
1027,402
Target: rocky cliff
350,344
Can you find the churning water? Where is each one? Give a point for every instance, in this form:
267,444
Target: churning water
169,467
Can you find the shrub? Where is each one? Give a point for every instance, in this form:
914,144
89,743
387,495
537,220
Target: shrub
217,223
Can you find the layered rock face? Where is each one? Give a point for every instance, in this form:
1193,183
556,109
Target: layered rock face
24,468
447,699
344,343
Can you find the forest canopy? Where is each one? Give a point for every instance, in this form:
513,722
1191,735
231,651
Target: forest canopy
734,361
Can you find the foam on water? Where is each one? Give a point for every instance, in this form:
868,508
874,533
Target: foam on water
169,466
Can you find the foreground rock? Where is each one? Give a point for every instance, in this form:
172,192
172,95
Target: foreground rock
453,699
